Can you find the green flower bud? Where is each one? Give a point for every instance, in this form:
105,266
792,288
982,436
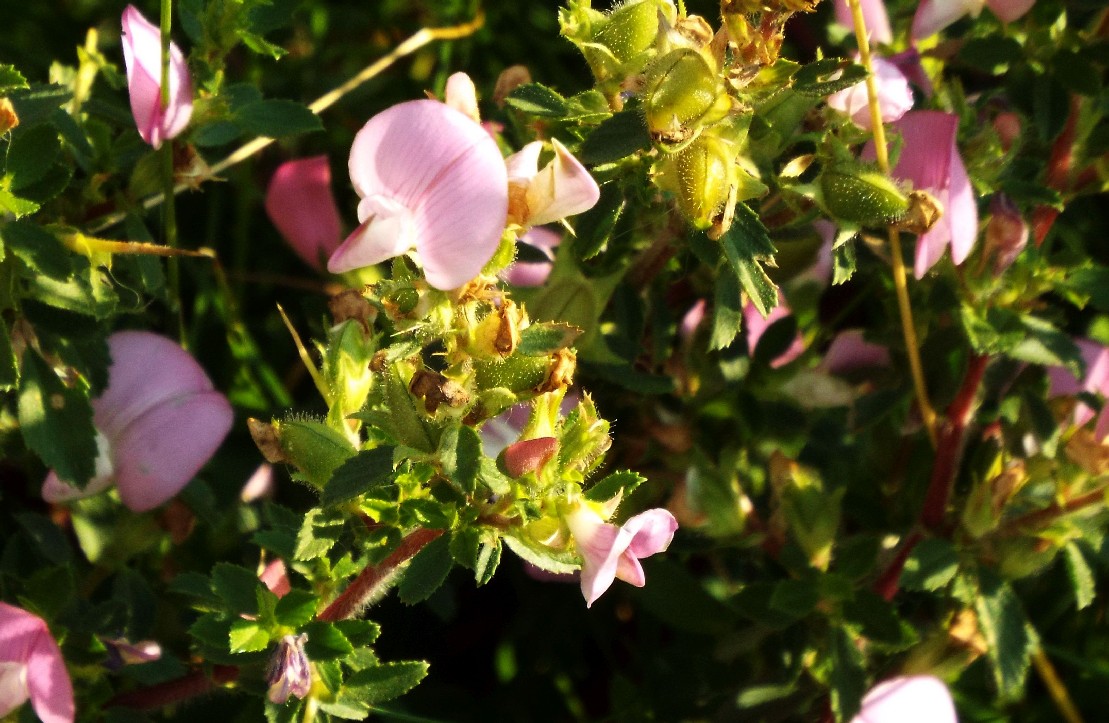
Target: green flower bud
705,175
682,92
864,197
314,448
629,29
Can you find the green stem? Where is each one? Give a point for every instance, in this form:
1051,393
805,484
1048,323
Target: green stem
169,226
166,27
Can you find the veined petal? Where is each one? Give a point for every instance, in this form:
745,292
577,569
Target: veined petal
563,188
1009,10
388,229
146,370
652,532
928,137
911,699
462,95
300,204
895,97
933,16
142,56
600,546
874,15
161,451
25,639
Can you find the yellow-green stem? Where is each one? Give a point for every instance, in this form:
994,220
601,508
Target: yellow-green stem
169,212
1055,687
900,278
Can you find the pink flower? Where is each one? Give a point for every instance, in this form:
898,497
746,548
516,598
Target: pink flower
461,94
300,204
756,324
874,15
158,421
1063,383
930,159
609,552
908,699
142,54
276,578
31,666
895,97
933,16
432,180
563,188
534,273
850,352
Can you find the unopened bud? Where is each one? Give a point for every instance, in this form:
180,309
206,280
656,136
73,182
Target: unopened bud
705,176
630,29
1006,233
529,455
289,672
864,197
681,93
8,117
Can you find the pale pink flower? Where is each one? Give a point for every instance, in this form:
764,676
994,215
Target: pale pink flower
260,484
289,672
142,54
534,273
930,159
31,667
432,180
563,188
895,97
609,552
850,352
691,320
300,204
461,94
276,578
874,15
933,16
908,699
757,324
1063,383
158,422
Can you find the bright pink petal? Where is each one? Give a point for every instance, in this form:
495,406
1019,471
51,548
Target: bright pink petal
652,532
1061,382
933,16
928,137
874,15
161,451
563,188
912,699
146,370
629,570
895,97
849,351
142,55
447,172
1009,10
300,204
462,96
25,639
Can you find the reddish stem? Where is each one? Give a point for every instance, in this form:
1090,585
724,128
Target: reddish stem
174,691
950,443
1058,171
1046,516
888,582
354,598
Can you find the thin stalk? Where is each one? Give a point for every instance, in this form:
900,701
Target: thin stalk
169,212
900,278
410,45
1055,687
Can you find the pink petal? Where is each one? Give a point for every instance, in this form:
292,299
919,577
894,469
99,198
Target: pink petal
1009,10
600,546
962,211
146,370
388,229
912,699
629,570
895,97
259,485
447,172
161,451
13,687
462,96
563,188
24,638
300,204
757,324
849,351
874,15
276,578
933,16
652,531
691,320
527,274
523,165
908,62
931,245
142,55
928,137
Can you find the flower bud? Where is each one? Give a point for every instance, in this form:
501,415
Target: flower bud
864,197
529,455
629,29
682,92
289,672
8,117
705,176
1006,233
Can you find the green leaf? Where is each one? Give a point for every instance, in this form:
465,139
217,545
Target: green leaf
56,422
618,483
237,587
319,533
1092,282
47,537
11,79
931,566
18,207
537,99
247,636
843,263
543,338
746,246
1009,638
594,228
325,641
37,102
827,76
387,681
314,448
460,454
992,54
798,598
426,572
359,633
875,618
296,608
39,249
497,482
488,559
361,473
1081,577
1046,345
846,677
277,118
9,367
727,311
261,46
617,137
31,155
